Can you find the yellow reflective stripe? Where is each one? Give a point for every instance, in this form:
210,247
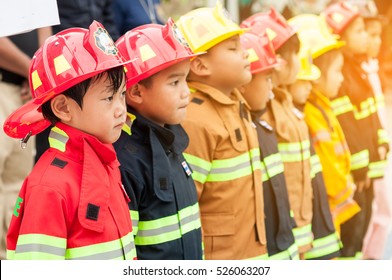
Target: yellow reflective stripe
303,235
58,139
290,253
380,101
377,169
168,228
358,256
135,220
383,137
123,248
10,254
341,105
233,168
297,151
360,160
367,107
315,165
128,123
322,136
324,246
273,165
200,167
264,175
40,247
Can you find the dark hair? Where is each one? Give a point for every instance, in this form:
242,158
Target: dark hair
147,82
77,92
291,46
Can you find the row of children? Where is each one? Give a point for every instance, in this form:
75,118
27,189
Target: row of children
215,136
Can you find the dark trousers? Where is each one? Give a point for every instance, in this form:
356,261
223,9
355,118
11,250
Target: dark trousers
353,231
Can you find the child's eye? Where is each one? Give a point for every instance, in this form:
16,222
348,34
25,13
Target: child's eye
110,98
175,83
123,94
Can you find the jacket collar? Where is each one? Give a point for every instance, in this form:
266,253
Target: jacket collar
318,96
217,95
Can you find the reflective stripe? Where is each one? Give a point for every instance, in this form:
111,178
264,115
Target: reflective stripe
358,256
341,105
293,152
383,137
367,107
377,169
135,221
128,123
40,247
303,235
290,253
272,166
315,165
324,246
168,228
222,170
123,248
58,139
200,167
322,136
360,160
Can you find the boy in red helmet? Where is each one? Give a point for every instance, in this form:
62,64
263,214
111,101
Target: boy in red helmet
279,223
164,207
288,122
72,205
356,111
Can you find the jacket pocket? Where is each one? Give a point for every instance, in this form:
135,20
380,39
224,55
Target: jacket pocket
218,230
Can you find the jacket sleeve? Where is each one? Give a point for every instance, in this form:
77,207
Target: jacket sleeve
343,109
38,229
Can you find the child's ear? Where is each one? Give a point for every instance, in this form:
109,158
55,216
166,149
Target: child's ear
134,94
200,66
61,107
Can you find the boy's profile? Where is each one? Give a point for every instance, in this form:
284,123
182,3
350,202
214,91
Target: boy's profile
72,205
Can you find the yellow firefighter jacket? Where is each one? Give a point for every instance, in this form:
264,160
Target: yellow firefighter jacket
331,147
294,146
225,159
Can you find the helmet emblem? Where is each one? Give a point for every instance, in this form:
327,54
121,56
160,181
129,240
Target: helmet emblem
105,42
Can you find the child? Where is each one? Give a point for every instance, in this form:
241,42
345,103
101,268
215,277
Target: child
356,112
72,205
291,129
223,150
326,243
164,207
376,236
278,222
325,131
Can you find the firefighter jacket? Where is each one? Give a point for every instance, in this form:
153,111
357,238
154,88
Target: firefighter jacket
278,221
355,107
164,208
72,205
326,244
293,139
331,147
225,158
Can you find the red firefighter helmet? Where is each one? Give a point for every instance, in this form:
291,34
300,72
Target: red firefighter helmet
339,15
272,23
65,59
156,46
261,54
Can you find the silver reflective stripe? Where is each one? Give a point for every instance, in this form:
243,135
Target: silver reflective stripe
158,231
103,256
223,170
40,248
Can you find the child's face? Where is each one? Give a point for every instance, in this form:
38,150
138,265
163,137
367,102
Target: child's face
330,82
287,74
258,91
300,91
374,30
229,66
356,37
165,100
104,111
